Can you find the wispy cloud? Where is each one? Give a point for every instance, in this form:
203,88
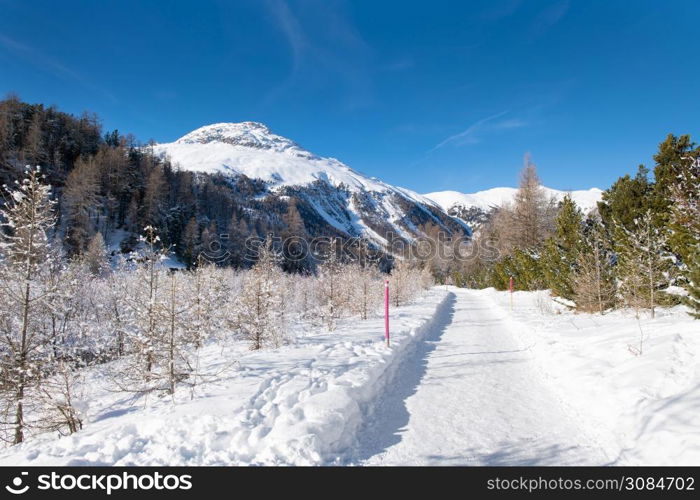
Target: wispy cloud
549,17
474,133
291,28
165,94
321,52
401,64
50,65
37,58
501,9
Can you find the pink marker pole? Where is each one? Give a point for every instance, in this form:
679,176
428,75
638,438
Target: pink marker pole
511,286
386,312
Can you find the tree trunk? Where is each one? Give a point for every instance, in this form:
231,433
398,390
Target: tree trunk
171,347
22,365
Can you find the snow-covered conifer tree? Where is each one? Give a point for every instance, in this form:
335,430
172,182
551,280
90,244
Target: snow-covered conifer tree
260,316
26,290
206,291
332,294
142,314
95,255
367,289
173,349
685,227
401,283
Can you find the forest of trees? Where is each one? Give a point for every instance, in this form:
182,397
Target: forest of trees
58,315
110,186
643,238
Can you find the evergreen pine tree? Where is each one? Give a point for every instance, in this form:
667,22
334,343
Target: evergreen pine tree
670,163
626,200
189,243
685,230
674,173
237,231
528,271
561,252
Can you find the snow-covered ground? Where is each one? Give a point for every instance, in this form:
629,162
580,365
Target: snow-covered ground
642,408
541,385
299,404
481,400
466,381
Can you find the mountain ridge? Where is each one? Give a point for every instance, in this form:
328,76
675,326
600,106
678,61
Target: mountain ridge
586,199
347,200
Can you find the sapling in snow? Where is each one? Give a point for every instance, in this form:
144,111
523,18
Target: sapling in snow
260,317
643,262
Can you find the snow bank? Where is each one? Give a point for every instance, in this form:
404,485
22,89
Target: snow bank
642,407
300,404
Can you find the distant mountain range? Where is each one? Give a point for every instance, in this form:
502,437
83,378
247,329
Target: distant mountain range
333,197
585,199
473,208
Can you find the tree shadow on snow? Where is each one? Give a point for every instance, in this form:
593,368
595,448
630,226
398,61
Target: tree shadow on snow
520,453
383,428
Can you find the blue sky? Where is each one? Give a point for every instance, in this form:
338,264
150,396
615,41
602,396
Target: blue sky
427,95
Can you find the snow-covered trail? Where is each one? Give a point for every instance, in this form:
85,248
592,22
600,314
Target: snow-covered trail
472,395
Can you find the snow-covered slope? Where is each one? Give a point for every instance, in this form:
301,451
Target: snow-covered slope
250,148
345,199
484,200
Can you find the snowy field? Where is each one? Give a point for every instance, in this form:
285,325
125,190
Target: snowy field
466,381
642,408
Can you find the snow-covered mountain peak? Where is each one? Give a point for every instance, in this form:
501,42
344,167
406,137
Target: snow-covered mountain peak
250,148
342,198
249,134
